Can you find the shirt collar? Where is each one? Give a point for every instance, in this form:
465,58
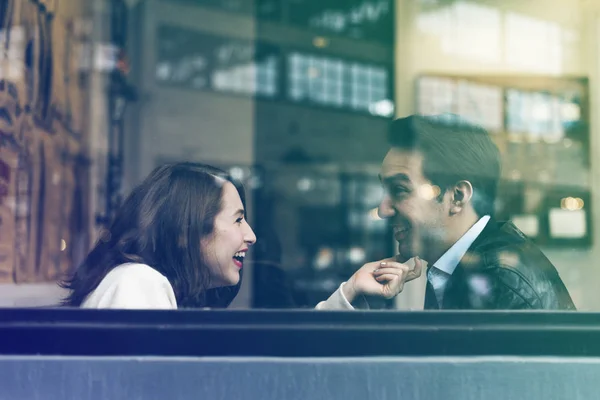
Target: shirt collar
450,259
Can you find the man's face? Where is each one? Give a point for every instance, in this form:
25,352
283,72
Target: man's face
411,204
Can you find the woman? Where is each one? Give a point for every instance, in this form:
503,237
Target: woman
179,240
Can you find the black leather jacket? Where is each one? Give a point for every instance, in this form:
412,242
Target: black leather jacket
503,270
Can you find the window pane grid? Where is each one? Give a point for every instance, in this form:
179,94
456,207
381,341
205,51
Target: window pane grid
334,82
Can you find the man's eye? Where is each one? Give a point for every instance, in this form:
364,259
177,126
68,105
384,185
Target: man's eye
398,192
239,220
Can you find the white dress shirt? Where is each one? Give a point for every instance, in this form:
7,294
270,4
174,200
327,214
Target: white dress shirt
441,270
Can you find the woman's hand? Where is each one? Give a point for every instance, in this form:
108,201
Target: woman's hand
385,278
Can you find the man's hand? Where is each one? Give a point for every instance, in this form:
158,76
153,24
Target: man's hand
385,278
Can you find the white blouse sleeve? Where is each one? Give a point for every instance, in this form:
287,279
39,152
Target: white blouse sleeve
337,301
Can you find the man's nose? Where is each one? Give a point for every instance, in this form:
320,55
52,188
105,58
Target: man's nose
385,209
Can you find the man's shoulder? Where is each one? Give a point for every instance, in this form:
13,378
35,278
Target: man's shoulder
503,245
497,237
500,234
506,255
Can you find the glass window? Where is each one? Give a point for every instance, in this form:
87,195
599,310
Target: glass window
296,99
198,60
340,83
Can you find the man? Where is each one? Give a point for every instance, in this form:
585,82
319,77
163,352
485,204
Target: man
440,180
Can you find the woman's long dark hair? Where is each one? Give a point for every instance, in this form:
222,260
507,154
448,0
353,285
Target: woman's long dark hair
161,224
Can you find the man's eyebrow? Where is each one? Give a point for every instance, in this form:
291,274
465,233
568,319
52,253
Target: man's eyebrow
394,178
239,212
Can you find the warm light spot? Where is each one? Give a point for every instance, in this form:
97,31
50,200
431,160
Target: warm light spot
320,42
324,258
571,203
374,214
429,192
63,245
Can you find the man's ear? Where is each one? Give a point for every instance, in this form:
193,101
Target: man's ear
461,196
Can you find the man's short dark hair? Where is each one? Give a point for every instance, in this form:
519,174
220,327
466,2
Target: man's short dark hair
453,150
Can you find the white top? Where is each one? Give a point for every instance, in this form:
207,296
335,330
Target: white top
132,286
337,301
447,263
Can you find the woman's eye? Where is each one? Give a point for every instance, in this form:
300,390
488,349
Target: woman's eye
239,220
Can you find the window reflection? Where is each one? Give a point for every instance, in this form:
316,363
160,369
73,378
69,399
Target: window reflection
494,36
533,44
290,88
326,225
335,82
480,103
356,19
204,61
465,29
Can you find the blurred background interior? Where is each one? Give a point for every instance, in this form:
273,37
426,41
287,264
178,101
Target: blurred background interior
293,97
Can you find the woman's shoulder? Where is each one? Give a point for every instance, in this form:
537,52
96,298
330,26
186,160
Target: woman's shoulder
135,274
135,270
132,285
